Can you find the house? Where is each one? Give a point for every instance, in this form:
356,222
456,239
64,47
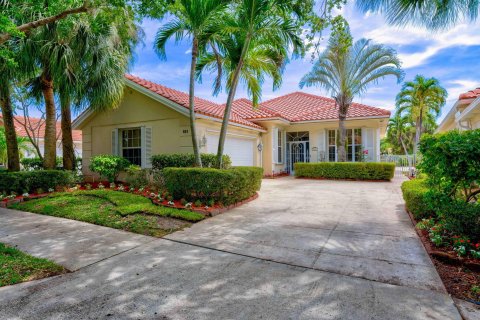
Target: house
297,127
33,129
465,113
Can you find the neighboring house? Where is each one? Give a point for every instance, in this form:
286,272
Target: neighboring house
465,113
298,127
34,129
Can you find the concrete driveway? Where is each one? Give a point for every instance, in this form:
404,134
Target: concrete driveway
304,250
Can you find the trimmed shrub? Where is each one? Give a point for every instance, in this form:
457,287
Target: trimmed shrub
30,181
415,193
108,166
346,170
185,160
226,186
37,163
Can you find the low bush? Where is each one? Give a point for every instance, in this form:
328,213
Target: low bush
451,162
136,176
226,186
415,193
31,181
184,160
108,166
346,170
37,163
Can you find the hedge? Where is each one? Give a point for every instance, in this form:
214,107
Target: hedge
184,160
32,181
415,194
37,163
346,170
226,186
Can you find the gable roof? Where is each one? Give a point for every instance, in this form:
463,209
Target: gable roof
36,127
293,107
202,106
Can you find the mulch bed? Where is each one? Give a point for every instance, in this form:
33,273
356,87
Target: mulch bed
458,274
206,211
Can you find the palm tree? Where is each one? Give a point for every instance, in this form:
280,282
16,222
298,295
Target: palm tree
422,99
271,26
9,71
431,14
192,19
347,71
399,133
90,66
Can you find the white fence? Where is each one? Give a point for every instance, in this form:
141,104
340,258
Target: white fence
404,164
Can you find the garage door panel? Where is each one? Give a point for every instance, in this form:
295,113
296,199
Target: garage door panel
240,150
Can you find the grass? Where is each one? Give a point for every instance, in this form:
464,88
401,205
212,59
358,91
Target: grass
114,209
16,267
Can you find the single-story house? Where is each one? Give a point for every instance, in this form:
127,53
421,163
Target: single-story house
297,127
33,129
465,113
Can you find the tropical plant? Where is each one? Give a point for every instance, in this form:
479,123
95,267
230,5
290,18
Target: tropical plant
11,143
431,14
253,42
23,146
400,133
347,71
422,100
192,19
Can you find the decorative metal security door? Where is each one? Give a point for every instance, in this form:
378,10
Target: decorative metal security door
299,152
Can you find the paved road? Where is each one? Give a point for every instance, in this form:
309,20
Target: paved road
304,250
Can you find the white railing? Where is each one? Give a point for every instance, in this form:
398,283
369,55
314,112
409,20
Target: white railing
404,164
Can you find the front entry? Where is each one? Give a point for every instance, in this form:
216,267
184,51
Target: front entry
298,148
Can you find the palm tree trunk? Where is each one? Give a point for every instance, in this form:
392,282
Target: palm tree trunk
67,139
50,141
342,116
418,133
228,105
13,155
193,129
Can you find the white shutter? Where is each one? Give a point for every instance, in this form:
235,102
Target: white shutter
368,143
146,138
115,142
275,145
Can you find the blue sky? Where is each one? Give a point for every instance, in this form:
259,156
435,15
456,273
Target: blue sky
451,56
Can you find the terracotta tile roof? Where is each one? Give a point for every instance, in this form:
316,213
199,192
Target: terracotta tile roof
472,94
202,106
245,109
36,127
300,106
294,107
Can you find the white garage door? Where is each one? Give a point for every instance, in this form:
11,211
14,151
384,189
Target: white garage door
240,150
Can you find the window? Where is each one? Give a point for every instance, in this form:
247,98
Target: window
353,145
131,145
280,147
332,145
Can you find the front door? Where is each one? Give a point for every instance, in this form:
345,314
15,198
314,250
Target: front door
299,152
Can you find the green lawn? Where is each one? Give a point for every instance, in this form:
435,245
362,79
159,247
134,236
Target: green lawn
114,209
16,267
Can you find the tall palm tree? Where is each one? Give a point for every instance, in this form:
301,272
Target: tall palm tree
252,27
421,99
192,19
90,65
347,71
11,142
431,14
